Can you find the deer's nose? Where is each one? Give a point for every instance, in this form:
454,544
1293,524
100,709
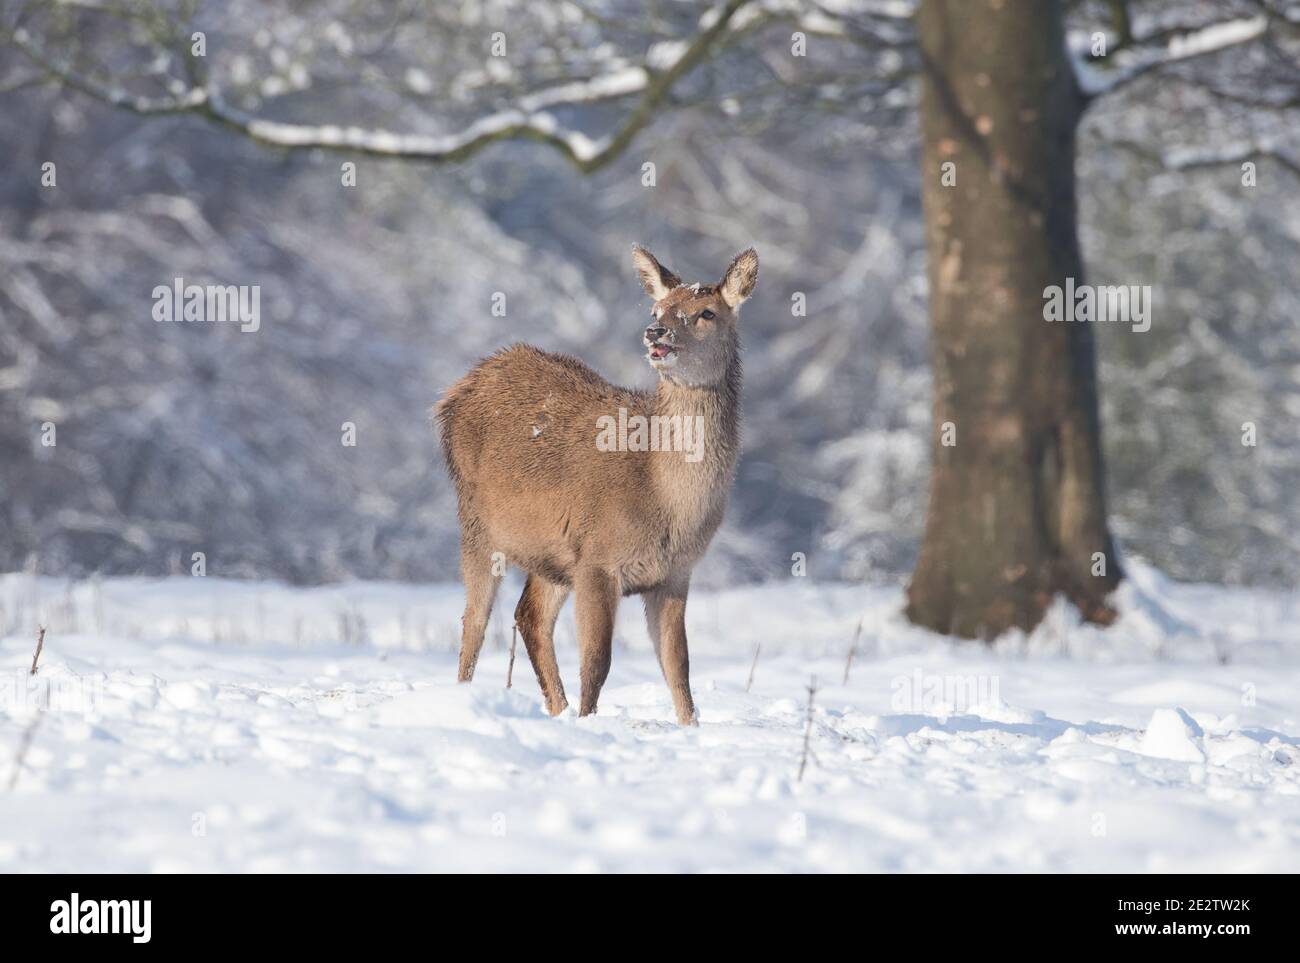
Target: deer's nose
655,332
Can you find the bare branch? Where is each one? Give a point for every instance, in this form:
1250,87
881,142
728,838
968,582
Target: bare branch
1122,22
22,83
191,101
1290,102
1186,159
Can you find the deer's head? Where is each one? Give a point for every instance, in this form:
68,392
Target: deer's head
692,337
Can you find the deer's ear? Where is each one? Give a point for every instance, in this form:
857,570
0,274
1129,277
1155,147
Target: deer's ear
655,278
738,283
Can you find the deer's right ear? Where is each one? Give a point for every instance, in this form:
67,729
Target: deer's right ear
738,283
655,278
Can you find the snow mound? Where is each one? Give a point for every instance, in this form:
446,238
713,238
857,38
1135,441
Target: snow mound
1173,734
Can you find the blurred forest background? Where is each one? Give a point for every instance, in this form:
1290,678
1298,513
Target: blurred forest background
175,438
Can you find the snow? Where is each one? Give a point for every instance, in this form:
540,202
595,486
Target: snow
1216,37
618,83
1173,734
201,724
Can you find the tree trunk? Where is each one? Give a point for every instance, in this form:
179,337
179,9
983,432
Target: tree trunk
1017,505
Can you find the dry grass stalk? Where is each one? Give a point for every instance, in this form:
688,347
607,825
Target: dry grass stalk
853,650
752,666
807,733
510,669
40,644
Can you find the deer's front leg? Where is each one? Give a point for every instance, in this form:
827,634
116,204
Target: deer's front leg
665,611
596,600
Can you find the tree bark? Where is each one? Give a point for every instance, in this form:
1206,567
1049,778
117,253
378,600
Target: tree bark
1017,504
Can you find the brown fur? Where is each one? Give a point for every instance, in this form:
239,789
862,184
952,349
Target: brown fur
519,433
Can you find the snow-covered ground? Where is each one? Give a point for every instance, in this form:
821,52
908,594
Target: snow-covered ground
202,724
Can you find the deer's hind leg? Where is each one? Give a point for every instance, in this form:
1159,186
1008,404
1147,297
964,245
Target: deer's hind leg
596,600
535,616
481,585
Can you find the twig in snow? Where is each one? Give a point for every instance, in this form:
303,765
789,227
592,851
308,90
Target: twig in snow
807,733
510,669
40,644
848,663
753,665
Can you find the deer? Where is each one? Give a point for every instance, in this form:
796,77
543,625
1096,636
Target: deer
546,482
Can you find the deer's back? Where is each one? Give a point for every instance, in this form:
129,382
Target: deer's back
531,415
519,433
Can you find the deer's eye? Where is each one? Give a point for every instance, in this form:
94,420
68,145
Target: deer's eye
707,315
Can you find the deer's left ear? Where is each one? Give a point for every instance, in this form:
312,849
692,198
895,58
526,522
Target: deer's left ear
738,283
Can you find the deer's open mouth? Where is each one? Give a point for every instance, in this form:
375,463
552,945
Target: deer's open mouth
659,351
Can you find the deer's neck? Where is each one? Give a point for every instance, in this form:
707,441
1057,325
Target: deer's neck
713,415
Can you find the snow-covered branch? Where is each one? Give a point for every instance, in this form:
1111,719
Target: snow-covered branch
531,119
1233,156
190,100
1142,56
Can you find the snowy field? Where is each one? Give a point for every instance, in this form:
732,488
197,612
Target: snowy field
196,724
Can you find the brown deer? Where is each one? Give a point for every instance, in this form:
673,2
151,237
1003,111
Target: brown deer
600,490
